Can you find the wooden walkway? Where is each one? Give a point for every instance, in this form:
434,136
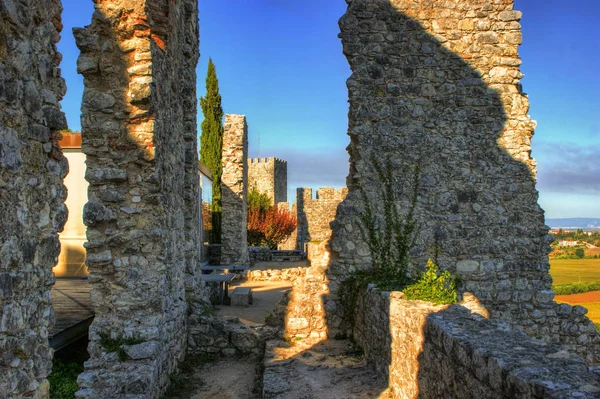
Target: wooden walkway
72,309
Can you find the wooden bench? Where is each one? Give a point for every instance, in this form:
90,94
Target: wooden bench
223,280
241,296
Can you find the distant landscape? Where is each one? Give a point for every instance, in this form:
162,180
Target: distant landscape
574,223
575,263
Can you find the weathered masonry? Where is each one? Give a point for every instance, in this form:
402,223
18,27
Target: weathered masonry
269,176
138,60
32,194
314,216
234,191
435,91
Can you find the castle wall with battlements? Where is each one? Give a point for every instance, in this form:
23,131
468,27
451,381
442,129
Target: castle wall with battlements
314,216
269,176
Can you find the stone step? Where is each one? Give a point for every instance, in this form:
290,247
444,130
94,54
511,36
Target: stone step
241,296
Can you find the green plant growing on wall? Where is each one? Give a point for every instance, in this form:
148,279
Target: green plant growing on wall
116,344
390,246
433,286
211,143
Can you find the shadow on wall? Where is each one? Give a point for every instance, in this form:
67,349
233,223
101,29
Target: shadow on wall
463,119
138,131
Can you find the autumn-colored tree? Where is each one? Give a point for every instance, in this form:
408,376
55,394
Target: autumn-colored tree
267,225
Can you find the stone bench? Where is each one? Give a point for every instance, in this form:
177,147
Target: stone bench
241,296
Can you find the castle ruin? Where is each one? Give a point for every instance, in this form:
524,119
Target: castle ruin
268,176
435,88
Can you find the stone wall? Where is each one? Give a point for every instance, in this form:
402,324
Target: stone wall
288,274
138,61
435,91
32,194
259,254
234,191
305,315
314,216
430,351
268,176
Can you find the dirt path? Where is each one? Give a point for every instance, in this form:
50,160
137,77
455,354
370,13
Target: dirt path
228,379
328,370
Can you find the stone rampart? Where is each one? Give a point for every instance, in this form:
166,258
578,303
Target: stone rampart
435,94
314,216
138,61
32,193
234,191
268,176
430,351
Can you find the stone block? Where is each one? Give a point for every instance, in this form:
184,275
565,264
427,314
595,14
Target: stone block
241,296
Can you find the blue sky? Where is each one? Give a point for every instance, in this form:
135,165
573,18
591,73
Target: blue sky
280,63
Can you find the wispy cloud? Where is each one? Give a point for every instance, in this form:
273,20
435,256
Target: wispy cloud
568,167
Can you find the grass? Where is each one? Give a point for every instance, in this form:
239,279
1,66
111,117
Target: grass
63,380
580,273
116,344
66,366
568,271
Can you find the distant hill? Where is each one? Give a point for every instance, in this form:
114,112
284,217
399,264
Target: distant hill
574,223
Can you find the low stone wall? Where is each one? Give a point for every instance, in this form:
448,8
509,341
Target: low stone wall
429,351
276,274
208,333
259,254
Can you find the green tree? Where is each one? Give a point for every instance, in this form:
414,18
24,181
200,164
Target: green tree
580,253
211,143
258,201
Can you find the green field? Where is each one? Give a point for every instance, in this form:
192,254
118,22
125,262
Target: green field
567,271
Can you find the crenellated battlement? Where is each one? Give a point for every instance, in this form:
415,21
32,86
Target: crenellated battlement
269,176
266,160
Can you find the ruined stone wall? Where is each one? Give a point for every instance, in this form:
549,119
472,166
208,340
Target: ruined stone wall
193,191
435,91
315,215
32,194
290,243
430,351
234,191
138,61
268,176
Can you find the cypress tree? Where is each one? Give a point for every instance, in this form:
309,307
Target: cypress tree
211,143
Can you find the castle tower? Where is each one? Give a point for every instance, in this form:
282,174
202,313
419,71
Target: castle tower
269,176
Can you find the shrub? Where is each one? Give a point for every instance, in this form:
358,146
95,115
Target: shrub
433,286
576,288
580,253
267,225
